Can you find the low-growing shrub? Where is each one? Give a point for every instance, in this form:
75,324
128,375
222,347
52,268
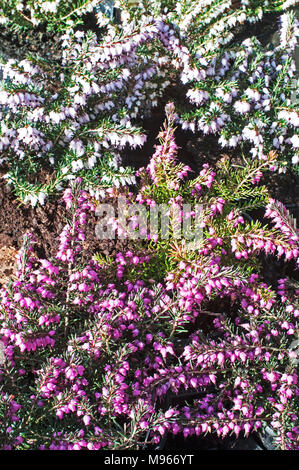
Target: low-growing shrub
245,92
97,356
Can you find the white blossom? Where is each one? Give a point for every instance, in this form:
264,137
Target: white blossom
242,107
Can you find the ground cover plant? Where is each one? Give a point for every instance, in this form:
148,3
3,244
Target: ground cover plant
177,333
78,116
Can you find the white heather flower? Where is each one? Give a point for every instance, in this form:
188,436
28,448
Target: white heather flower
140,139
198,96
249,133
234,92
3,97
283,115
295,141
295,159
276,143
213,126
32,198
282,170
70,111
223,141
19,6
192,126
232,21
233,141
254,152
77,165
294,119
219,92
227,98
79,34
91,162
242,17
55,117
242,107
214,106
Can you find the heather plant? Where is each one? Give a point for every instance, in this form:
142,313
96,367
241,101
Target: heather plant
98,355
72,119
78,116
223,198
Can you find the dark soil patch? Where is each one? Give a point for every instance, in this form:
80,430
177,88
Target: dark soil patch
19,45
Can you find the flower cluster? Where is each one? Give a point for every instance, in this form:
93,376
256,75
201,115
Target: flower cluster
242,92
99,354
76,117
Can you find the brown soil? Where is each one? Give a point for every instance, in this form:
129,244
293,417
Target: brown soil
47,221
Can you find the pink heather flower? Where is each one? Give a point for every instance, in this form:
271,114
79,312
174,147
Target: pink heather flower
169,413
